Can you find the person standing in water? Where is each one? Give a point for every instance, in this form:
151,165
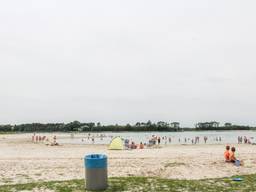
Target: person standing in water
54,140
33,137
159,140
205,139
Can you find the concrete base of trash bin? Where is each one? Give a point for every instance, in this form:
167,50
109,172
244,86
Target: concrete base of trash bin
98,179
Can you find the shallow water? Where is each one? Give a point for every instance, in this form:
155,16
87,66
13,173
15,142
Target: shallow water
227,137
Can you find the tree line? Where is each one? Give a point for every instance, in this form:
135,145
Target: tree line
86,127
97,127
225,128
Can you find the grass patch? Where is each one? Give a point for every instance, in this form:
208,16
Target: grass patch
144,184
38,174
6,180
6,133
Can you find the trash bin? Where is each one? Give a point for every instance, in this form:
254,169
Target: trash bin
96,174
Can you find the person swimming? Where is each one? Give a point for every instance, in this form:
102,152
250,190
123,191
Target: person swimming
227,154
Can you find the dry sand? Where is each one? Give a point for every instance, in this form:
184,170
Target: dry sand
22,161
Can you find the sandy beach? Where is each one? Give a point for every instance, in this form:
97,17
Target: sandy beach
22,161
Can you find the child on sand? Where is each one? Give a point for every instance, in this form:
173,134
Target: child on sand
227,154
233,159
232,155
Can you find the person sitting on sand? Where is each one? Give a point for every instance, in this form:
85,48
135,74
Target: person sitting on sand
232,155
233,159
227,154
133,145
126,143
141,145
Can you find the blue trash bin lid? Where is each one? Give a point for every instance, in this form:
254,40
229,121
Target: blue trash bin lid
95,161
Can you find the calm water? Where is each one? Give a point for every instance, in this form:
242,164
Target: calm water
226,137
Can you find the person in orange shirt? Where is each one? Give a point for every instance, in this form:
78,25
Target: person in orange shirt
227,154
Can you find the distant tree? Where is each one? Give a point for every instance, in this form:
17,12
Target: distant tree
137,124
149,123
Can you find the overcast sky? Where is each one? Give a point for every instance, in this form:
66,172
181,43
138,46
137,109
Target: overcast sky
128,61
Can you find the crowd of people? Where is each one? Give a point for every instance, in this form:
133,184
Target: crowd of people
186,140
245,140
91,138
132,145
43,139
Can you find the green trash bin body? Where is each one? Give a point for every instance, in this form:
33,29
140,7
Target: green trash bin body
96,174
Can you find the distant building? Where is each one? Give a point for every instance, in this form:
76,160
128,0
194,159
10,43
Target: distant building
212,124
162,124
175,125
228,124
143,124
